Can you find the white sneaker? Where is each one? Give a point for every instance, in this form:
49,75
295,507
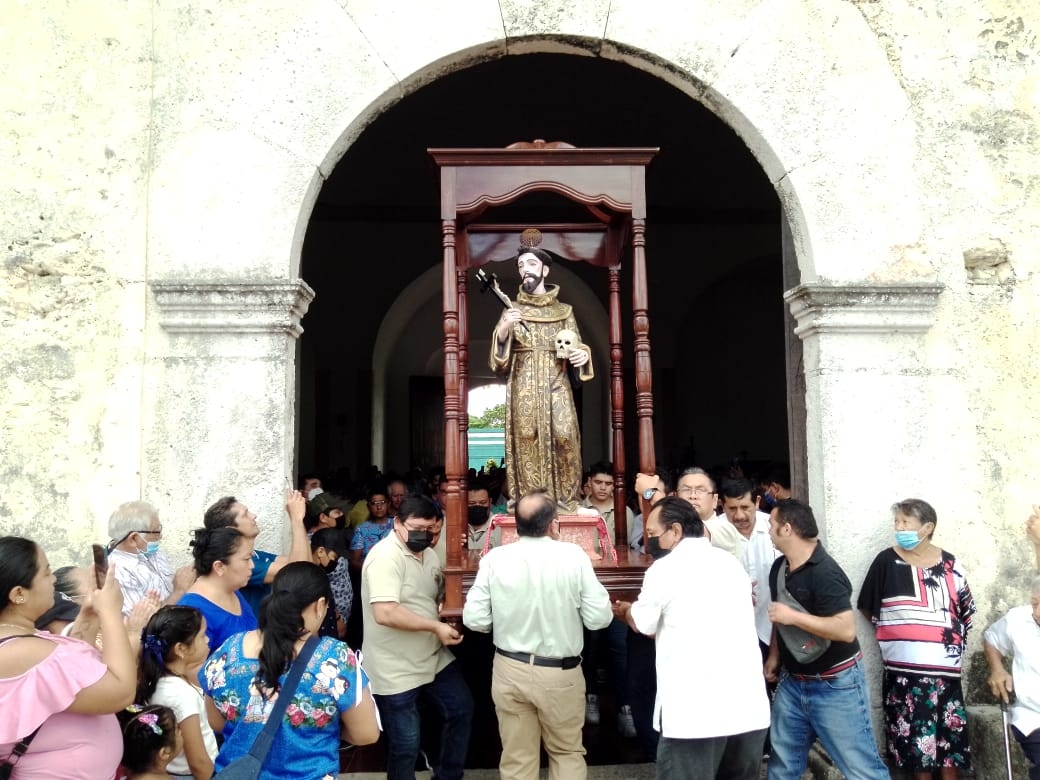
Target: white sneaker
592,709
625,725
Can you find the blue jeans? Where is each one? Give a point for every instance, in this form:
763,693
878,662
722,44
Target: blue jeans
448,694
835,710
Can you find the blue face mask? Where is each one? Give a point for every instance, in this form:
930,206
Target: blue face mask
908,540
151,549
768,500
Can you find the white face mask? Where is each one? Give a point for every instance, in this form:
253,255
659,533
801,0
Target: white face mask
314,492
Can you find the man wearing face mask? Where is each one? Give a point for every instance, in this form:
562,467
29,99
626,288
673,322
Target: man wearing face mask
711,708
478,518
135,531
406,644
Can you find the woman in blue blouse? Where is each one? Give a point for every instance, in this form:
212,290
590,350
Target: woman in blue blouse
333,700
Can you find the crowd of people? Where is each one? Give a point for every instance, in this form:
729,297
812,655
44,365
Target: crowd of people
741,645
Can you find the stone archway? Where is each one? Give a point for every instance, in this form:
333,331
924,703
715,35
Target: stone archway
792,81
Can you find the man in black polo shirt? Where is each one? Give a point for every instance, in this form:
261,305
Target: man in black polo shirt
821,690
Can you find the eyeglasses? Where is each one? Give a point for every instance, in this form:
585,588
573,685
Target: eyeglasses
377,503
695,491
150,532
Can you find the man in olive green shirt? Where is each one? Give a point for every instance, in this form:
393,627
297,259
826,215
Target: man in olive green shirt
405,644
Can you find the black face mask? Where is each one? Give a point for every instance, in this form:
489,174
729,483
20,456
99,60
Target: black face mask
654,549
419,540
477,515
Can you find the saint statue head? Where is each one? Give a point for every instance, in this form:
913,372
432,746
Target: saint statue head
532,263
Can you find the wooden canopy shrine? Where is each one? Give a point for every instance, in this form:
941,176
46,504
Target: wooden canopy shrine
610,183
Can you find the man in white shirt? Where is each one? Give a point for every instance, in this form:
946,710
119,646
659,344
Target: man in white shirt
1018,634
711,709
135,533
756,549
534,596
698,488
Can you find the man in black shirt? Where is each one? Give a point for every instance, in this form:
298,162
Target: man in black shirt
814,656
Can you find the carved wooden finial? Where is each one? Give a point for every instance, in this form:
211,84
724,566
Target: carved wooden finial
540,143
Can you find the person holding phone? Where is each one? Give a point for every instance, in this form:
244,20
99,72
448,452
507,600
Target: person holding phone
59,694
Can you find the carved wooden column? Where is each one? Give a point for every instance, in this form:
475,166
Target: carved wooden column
641,330
452,455
463,379
617,407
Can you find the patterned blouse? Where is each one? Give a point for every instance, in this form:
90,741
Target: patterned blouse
307,745
922,616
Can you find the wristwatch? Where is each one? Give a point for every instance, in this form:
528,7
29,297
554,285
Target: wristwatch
648,494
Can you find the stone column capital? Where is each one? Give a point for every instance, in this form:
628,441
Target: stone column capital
211,307
863,307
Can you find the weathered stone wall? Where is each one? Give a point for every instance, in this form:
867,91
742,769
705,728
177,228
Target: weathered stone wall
187,141
75,95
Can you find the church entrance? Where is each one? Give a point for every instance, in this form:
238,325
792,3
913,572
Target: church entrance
372,351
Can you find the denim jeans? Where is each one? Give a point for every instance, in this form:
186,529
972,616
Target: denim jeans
607,648
835,710
450,697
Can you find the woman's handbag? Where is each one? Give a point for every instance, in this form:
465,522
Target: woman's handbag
248,767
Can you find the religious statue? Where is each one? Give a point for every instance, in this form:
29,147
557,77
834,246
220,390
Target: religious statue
537,345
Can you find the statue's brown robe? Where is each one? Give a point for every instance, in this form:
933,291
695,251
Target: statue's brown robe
543,440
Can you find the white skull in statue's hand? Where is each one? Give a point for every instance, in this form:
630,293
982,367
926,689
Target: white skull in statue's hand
566,341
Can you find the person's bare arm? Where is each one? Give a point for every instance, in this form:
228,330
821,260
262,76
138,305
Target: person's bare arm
199,762
299,546
115,690
393,615
183,578
359,725
214,716
1033,532
771,668
1001,684
837,628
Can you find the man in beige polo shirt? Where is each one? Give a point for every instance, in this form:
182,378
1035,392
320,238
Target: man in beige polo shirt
534,595
405,644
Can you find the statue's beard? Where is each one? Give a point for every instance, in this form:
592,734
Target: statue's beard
530,283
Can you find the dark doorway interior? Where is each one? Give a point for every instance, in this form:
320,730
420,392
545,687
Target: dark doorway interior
713,247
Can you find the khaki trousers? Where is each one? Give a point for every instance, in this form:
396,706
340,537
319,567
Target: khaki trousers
539,704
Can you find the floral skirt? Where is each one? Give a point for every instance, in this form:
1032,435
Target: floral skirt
926,726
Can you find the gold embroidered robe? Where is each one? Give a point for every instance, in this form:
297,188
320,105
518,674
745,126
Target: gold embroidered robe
543,440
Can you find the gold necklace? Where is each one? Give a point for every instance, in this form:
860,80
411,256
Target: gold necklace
15,625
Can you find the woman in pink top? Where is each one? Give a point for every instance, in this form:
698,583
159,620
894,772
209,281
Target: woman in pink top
60,690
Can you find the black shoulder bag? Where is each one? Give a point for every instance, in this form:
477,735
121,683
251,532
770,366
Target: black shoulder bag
7,766
248,767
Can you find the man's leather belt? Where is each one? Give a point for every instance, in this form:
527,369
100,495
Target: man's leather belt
831,673
527,658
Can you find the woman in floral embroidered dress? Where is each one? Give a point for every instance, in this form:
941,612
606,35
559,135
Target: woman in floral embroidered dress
918,598
333,700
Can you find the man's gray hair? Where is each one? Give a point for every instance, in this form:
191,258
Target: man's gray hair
129,517
697,470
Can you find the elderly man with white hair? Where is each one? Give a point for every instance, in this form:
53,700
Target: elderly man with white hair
135,533
1017,634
